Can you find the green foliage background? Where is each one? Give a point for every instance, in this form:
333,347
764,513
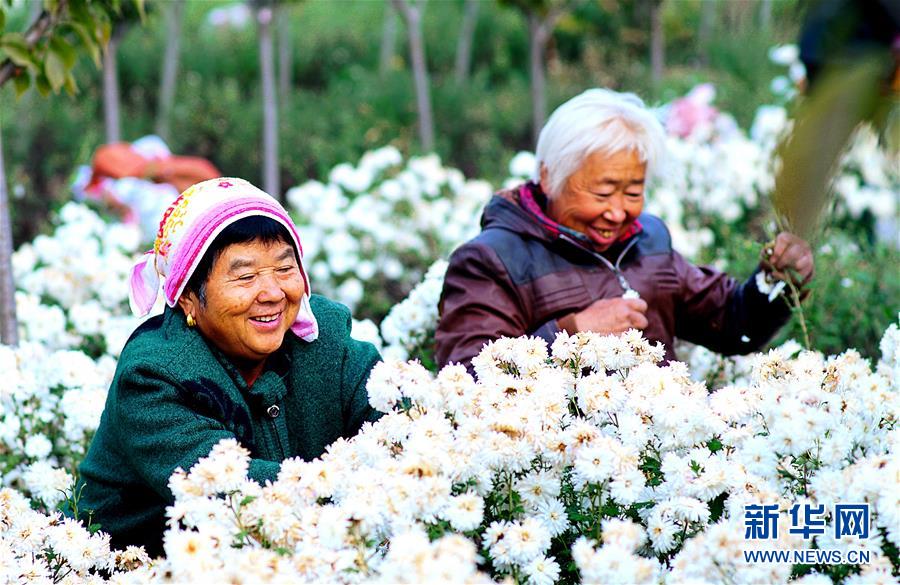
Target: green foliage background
339,106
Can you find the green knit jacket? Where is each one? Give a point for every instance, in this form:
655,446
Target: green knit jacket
174,396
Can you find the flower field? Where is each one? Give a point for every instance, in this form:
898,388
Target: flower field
585,461
581,461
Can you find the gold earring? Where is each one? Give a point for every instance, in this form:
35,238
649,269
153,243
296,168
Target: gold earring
190,320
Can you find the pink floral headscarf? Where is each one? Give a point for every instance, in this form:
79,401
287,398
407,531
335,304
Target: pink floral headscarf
187,229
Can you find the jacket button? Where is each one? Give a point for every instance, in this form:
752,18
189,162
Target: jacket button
273,411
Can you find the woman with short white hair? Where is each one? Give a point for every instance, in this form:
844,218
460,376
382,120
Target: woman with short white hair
573,251
597,120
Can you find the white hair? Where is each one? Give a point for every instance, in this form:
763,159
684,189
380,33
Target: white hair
597,120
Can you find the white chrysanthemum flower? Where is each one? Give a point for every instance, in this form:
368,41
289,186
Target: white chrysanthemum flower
47,483
81,551
83,408
457,388
366,330
542,570
537,486
523,165
526,540
598,395
88,318
661,531
190,554
612,564
784,54
552,514
390,382
623,533
689,509
627,486
495,538
465,511
224,470
412,559
38,446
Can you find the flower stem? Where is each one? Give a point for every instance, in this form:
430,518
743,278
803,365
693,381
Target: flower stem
798,310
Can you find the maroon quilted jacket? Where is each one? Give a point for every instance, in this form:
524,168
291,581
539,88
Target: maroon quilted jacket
517,277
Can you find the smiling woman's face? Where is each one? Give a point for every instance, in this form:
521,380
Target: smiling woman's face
603,198
252,298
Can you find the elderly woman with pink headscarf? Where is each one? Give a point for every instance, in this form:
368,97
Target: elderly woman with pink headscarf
242,351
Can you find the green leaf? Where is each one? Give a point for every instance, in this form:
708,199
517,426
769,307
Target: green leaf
87,41
717,507
104,28
43,86
71,85
609,509
21,82
79,12
15,47
55,69
2,19
66,52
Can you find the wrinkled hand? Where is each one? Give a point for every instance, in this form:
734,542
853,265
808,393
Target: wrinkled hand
789,257
611,316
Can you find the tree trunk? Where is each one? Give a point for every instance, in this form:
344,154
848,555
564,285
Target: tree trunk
765,15
270,105
388,39
9,330
285,53
657,42
174,18
464,44
538,35
736,14
704,34
412,14
111,91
